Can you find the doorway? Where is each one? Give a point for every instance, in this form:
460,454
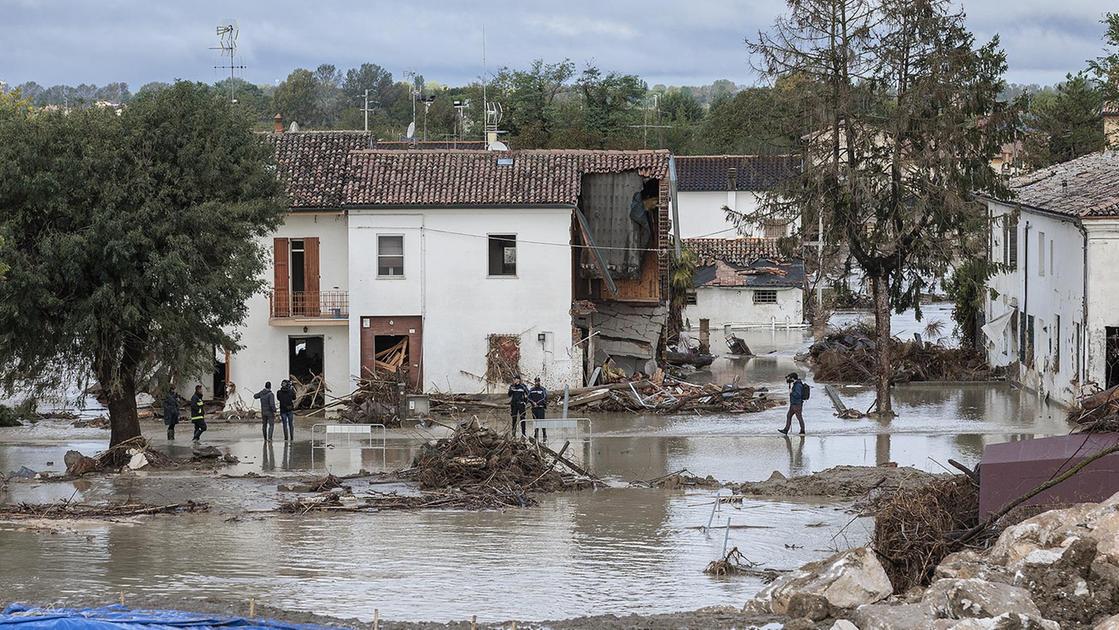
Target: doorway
1111,354
393,345
305,362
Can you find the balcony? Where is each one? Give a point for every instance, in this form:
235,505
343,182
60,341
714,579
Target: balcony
299,308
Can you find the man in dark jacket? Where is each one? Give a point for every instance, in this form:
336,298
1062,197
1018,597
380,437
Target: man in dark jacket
538,398
267,410
197,413
796,402
286,398
518,399
171,412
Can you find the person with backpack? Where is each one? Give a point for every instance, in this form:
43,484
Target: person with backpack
286,398
799,391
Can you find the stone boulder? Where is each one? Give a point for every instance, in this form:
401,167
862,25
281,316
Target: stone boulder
1111,623
78,464
975,599
1005,621
892,617
846,580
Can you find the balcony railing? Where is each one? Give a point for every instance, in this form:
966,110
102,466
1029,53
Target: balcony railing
318,304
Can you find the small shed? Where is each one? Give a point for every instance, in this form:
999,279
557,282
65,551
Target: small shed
1011,469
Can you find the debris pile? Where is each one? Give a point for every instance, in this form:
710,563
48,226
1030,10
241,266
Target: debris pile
914,529
1098,412
734,563
850,355
672,396
375,401
67,509
679,479
134,453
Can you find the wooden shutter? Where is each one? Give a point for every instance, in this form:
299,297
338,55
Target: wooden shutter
281,294
312,302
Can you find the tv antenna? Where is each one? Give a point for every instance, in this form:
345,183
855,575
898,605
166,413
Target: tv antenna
227,33
646,126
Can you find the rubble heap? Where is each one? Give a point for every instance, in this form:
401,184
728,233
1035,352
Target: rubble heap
1098,412
850,355
1056,570
848,482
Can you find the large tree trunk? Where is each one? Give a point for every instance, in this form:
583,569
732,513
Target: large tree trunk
124,424
880,287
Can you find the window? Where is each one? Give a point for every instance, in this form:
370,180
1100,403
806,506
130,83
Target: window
765,296
1050,256
772,228
503,254
1076,357
390,255
690,297
1012,244
1057,337
1041,254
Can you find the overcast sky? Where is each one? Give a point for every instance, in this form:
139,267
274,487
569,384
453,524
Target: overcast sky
681,42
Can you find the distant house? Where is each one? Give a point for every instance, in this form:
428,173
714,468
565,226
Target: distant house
745,282
1051,315
478,264
709,183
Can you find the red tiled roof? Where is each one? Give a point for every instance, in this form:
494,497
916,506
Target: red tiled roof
536,177
735,251
312,164
1085,187
752,172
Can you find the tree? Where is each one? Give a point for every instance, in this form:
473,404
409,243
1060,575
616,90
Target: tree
1106,67
756,120
1065,124
908,117
611,107
328,94
296,98
531,94
383,91
132,241
116,92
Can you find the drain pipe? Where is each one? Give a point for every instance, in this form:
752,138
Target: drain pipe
1083,350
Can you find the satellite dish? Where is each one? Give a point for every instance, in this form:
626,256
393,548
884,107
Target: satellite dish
411,130
498,146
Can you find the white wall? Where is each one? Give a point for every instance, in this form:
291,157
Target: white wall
701,213
1103,292
1047,294
735,306
265,353
446,281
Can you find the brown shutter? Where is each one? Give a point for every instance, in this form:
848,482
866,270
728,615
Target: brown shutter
281,296
312,303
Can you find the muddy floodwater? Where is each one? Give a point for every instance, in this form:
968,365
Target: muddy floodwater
616,550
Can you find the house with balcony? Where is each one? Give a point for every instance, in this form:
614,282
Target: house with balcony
463,266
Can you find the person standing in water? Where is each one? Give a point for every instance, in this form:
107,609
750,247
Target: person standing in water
518,399
538,398
171,411
197,413
798,392
267,410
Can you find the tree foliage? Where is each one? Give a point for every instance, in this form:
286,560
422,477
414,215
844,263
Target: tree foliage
1065,124
907,117
131,240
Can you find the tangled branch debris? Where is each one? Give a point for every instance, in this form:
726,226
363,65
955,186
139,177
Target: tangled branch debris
66,509
850,355
1098,412
679,479
918,527
734,563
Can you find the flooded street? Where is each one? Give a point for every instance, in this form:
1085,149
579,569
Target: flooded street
615,550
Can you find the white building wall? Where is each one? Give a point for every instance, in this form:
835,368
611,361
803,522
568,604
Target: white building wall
1103,294
446,281
701,213
265,342
1047,284
735,307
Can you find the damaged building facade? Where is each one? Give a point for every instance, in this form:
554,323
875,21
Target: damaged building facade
1050,313
459,268
744,283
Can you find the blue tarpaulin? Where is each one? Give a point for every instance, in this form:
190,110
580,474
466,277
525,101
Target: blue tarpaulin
116,617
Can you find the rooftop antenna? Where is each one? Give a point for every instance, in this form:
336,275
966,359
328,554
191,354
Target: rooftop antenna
485,80
657,115
227,33
411,74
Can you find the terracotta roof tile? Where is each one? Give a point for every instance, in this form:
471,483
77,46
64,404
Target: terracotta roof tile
1085,187
735,251
537,177
753,172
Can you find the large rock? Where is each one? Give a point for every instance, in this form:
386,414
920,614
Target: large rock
1111,623
846,580
78,464
1006,621
808,606
892,617
974,598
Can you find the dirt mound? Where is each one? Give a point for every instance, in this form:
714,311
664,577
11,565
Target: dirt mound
850,355
840,482
914,528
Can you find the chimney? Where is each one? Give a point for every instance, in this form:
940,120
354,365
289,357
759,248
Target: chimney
278,123
732,188
1111,124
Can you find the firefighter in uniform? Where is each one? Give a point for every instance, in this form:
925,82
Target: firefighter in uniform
197,413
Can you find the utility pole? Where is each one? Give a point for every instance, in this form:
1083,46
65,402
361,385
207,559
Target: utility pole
366,109
646,127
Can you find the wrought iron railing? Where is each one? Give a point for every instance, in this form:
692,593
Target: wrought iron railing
324,304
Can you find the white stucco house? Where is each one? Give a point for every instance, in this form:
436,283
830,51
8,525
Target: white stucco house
709,183
744,283
478,263
1051,316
